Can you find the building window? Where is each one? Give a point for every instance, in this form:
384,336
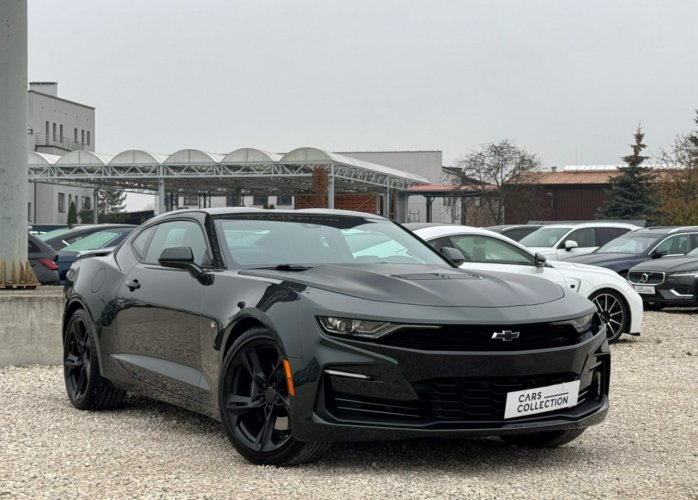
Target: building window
61,202
75,135
70,200
82,136
29,211
61,132
47,133
54,131
88,137
259,201
86,203
284,200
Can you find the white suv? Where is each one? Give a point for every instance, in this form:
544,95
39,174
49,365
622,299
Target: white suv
560,241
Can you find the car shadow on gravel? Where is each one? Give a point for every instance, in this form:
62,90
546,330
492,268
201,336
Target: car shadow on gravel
478,455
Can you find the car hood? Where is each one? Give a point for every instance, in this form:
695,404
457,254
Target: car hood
606,259
547,251
422,285
668,264
565,266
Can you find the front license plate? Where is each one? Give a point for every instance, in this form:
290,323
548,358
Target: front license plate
541,399
645,289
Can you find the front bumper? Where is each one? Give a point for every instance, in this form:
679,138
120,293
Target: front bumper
680,291
357,390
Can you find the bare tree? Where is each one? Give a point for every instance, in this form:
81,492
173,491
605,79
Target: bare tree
505,174
679,184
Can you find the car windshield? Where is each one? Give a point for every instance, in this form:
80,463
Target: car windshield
544,237
628,243
94,241
309,239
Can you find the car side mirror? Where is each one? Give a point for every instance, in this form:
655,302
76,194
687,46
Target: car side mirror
540,259
570,244
657,254
453,254
183,258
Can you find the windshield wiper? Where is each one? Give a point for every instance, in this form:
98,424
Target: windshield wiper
286,267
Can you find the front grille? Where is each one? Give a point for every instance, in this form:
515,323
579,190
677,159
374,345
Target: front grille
646,278
444,401
479,337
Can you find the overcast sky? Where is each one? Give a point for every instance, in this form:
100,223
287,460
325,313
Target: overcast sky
567,80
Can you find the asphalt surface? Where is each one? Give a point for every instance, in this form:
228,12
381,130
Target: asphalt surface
646,448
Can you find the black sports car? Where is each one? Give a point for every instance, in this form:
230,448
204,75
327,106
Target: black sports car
671,281
299,328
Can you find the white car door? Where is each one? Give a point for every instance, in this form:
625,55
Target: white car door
488,253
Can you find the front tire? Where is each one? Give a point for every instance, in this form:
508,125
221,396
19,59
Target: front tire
547,439
614,312
86,388
255,405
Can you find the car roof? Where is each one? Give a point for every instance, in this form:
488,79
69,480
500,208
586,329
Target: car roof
663,230
251,210
582,225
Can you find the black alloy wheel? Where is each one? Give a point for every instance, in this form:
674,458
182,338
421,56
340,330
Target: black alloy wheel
255,404
613,311
86,389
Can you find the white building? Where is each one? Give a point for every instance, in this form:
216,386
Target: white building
57,126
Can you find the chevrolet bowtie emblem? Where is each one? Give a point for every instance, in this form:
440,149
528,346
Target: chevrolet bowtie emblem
506,335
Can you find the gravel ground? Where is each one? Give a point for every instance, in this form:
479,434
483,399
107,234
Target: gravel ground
646,448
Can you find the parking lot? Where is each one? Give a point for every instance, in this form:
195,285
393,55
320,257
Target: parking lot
647,447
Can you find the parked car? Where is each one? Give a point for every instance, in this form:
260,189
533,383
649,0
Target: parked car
641,245
60,238
515,231
43,261
269,321
94,241
618,304
562,241
670,281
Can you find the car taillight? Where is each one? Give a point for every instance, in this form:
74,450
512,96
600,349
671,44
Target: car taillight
48,263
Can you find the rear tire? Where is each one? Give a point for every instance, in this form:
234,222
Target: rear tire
86,389
547,439
255,406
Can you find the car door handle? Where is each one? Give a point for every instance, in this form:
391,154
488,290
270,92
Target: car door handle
132,284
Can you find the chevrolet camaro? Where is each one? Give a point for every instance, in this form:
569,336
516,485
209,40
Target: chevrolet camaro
295,330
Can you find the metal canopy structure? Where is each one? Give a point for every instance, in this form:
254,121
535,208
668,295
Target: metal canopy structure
191,170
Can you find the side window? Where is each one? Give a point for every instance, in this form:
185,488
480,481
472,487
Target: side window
676,245
584,237
485,249
140,244
179,233
606,234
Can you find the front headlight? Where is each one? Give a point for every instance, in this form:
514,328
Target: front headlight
357,327
581,324
684,274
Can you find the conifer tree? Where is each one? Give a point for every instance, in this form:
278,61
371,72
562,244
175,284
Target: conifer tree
72,214
633,193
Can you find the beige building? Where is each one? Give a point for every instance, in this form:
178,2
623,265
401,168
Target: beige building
57,126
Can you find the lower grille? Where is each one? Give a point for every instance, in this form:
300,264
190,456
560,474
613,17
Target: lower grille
646,278
443,401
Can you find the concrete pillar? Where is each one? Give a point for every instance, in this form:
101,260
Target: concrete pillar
14,176
387,203
430,200
95,206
